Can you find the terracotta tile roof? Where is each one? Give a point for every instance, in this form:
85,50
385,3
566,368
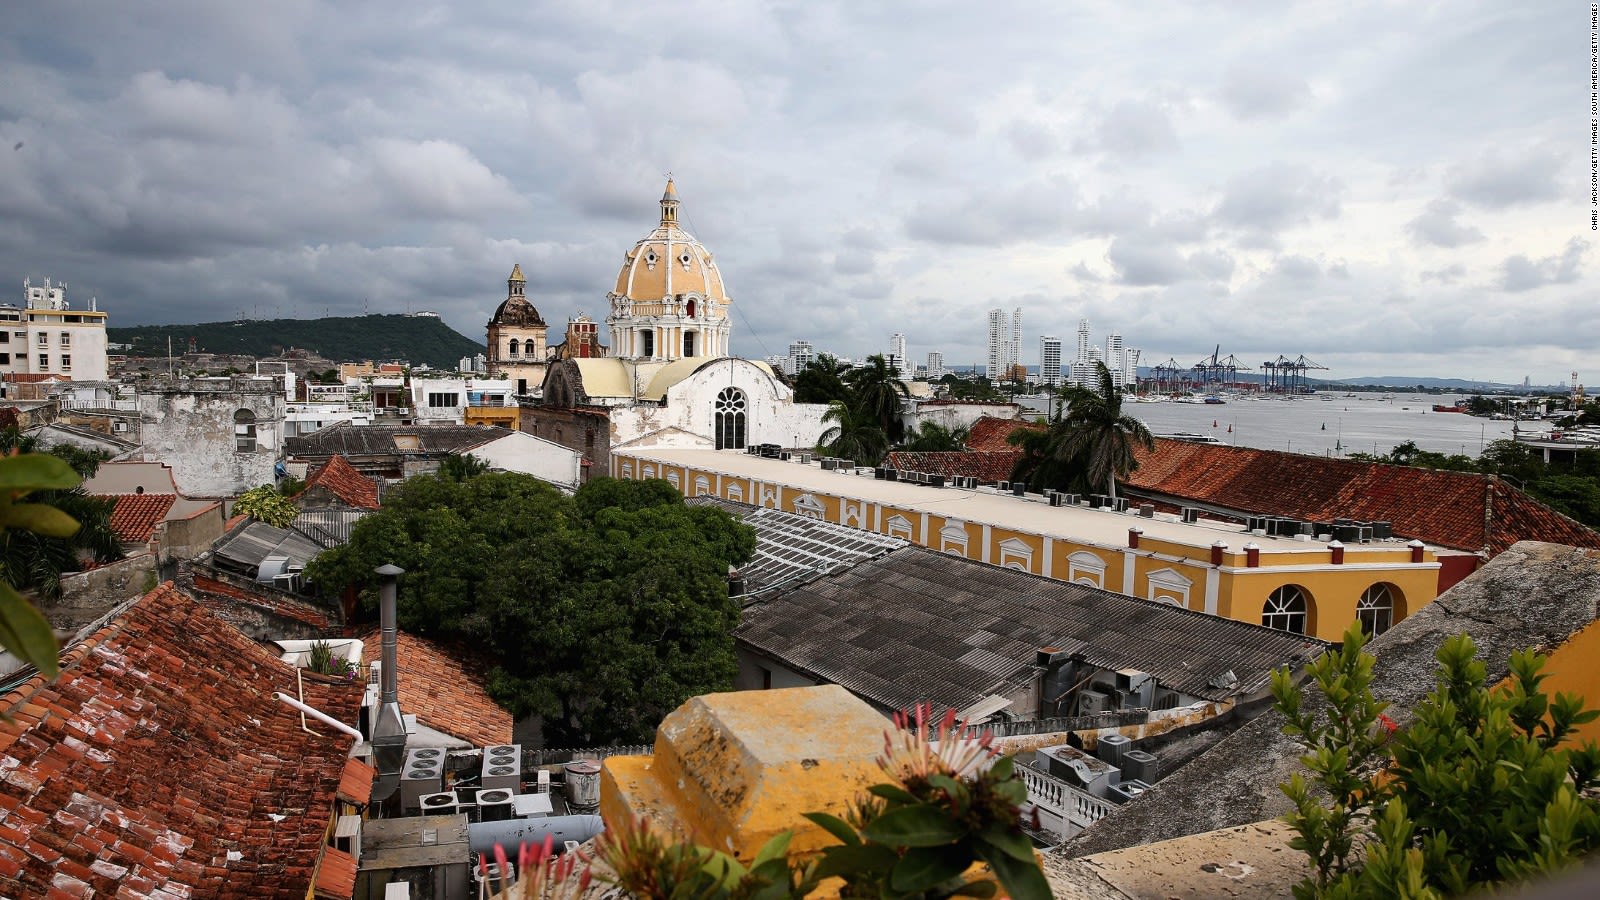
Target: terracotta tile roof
355,783
990,433
446,689
992,465
1460,510
336,877
340,479
136,516
275,602
153,765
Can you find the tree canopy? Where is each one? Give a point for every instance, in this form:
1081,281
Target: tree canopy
601,612
1088,445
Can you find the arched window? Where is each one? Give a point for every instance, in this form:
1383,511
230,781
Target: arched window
513,346
1285,610
244,431
730,419
1375,609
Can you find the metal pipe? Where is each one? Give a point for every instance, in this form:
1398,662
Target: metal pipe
510,834
318,714
388,617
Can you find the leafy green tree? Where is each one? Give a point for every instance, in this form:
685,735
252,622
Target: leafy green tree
1094,436
876,389
461,466
931,437
855,434
601,612
265,504
821,381
1485,787
34,560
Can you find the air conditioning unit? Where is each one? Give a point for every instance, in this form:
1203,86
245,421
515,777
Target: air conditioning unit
1121,504
1093,703
543,781
1191,515
1147,510
1124,791
496,805
878,472
1136,688
1166,698
440,804
1071,499
891,474
1055,497
422,774
1018,488
1137,765
935,480
1002,486
1111,747
502,767
489,880
1382,531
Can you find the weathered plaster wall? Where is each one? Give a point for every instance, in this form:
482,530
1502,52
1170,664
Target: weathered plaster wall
193,431
582,430
86,596
772,416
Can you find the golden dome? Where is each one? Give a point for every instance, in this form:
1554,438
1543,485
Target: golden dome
669,263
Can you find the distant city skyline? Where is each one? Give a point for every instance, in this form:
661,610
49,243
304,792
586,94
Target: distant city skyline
1380,188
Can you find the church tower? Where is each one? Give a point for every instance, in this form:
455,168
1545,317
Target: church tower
517,338
669,302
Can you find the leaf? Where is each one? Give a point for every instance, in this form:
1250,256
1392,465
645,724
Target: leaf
36,471
1022,880
924,867
25,633
40,518
859,859
1003,768
835,826
914,826
1013,843
772,849
893,792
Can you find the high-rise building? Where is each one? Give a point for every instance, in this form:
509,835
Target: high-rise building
1116,359
897,354
1004,341
801,354
935,365
1050,360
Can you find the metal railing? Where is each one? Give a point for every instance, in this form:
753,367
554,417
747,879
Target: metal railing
120,405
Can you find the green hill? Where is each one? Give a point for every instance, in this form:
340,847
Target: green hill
416,339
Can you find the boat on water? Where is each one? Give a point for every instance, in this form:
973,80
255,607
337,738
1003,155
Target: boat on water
1214,400
1191,438
1440,407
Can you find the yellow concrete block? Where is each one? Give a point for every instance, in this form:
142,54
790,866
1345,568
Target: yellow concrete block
729,771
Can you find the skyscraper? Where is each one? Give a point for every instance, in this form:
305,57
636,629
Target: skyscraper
801,354
1050,360
935,365
1004,340
897,354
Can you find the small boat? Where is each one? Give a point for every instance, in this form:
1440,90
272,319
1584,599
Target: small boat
1440,407
1214,400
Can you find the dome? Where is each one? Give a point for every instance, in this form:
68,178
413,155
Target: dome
669,262
518,312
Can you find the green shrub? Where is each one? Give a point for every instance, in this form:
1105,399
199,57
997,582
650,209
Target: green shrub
1484,788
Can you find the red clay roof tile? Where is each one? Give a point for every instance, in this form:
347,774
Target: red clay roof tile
336,877
446,690
990,433
159,753
993,465
1460,510
135,516
342,482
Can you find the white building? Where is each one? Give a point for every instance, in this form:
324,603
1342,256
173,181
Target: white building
801,354
46,336
1050,360
935,365
444,401
1004,341
897,355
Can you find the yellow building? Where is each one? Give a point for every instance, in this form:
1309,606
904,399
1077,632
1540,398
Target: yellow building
1304,586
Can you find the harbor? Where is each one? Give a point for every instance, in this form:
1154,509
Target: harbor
1323,424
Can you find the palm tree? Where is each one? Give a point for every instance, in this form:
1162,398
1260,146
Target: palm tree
821,381
932,437
35,562
1096,435
880,393
854,435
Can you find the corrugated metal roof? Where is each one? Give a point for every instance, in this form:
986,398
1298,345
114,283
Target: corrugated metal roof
348,440
791,547
918,626
244,550
329,526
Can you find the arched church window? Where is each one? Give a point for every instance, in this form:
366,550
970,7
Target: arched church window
1285,609
689,308
1375,609
244,431
514,346
730,419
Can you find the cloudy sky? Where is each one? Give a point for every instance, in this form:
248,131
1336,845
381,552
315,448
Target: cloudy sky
1386,188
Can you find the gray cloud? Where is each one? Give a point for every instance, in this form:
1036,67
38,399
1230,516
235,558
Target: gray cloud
1278,196
1137,128
1499,181
1437,226
1260,92
1519,273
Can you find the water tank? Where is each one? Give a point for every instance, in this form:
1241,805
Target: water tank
583,784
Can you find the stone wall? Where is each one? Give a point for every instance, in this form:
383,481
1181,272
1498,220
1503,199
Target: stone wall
86,596
191,428
584,430
188,538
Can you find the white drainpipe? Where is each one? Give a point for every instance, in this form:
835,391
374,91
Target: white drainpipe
320,716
